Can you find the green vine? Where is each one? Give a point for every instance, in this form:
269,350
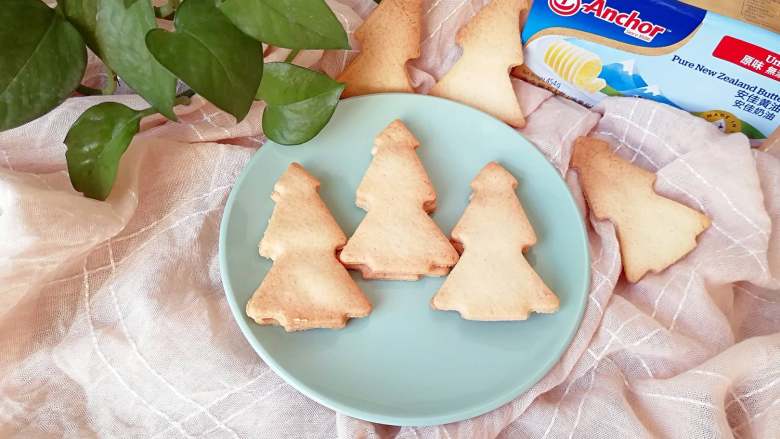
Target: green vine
216,49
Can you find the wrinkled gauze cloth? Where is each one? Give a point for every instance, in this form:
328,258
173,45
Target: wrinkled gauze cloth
113,322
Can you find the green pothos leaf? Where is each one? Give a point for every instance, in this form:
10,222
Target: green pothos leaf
299,102
121,36
82,14
42,60
294,24
211,55
96,142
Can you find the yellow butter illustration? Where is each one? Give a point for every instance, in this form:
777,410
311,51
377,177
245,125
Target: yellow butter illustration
575,65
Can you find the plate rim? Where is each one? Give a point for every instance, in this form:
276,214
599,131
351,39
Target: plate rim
237,310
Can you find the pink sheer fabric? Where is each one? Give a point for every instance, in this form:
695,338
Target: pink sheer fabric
113,322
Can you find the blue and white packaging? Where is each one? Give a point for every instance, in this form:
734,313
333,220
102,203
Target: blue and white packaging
719,68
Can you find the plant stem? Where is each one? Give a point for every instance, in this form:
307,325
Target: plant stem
292,55
188,93
107,89
181,100
88,91
110,86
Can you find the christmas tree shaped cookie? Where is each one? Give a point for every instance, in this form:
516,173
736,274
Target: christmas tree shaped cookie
654,232
397,239
388,39
306,287
492,280
491,47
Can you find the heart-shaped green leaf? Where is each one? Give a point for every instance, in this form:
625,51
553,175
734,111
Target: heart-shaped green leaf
294,24
121,37
42,60
83,15
95,144
211,55
299,102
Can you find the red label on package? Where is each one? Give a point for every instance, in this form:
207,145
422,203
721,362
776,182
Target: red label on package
749,56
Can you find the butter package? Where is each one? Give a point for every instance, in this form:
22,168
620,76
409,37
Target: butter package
719,68
764,13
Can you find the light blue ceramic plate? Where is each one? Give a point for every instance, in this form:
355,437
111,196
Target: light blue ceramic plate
406,364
